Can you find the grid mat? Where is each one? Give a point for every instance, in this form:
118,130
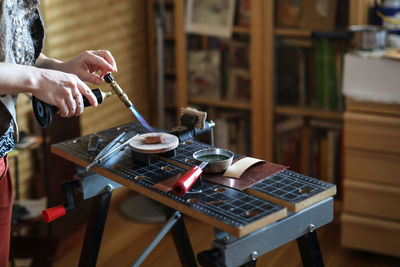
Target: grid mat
233,207
184,152
291,186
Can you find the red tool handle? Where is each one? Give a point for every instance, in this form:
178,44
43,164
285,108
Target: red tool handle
181,186
51,214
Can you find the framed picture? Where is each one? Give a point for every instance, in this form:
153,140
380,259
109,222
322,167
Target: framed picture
239,86
210,17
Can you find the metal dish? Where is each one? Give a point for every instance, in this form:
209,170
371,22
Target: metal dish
368,37
218,159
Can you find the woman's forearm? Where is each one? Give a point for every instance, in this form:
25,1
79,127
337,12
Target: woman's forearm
15,78
47,63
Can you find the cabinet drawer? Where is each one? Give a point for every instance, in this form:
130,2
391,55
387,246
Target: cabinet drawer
371,199
370,234
372,132
372,166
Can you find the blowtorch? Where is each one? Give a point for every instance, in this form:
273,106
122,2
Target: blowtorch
44,112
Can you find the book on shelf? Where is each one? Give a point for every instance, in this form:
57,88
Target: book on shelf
288,151
302,78
169,21
323,154
312,147
326,124
170,119
239,89
232,131
328,71
170,91
239,55
325,150
169,57
287,78
204,76
243,18
237,69
310,75
333,157
288,142
314,157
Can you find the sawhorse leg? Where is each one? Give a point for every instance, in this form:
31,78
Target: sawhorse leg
182,242
309,250
94,229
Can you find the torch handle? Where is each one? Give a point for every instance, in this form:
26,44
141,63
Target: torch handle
44,112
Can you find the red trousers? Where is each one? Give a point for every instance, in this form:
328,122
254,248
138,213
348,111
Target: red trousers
5,211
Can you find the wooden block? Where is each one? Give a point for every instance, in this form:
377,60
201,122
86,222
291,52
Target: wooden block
370,234
372,132
372,198
372,166
153,139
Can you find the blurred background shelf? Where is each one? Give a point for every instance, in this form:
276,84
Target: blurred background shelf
288,32
220,103
308,112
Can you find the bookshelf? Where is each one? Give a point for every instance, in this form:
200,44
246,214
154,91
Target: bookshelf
252,109
262,110
308,105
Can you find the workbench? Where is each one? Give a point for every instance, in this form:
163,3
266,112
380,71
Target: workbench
277,209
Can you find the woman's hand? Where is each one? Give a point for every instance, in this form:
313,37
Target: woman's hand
63,90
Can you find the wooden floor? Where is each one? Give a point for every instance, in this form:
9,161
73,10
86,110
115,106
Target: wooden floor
124,240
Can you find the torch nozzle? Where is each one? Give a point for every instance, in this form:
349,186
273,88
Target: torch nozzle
117,89
107,94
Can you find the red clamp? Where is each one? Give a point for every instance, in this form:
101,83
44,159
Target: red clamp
51,214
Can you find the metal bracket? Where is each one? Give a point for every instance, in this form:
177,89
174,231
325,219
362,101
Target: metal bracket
236,251
94,184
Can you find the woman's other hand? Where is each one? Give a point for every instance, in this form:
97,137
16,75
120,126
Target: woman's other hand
90,66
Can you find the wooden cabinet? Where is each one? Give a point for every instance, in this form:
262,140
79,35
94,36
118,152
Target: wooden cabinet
371,203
